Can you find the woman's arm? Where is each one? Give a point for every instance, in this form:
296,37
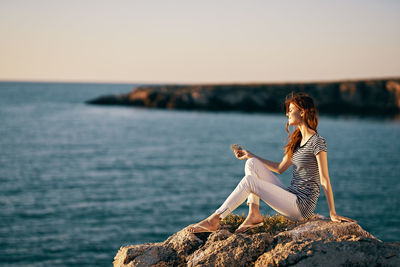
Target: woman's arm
326,185
278,167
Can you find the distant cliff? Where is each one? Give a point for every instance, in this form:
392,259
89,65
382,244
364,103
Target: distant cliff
378,96
313,242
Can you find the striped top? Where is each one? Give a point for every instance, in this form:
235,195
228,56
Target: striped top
306,181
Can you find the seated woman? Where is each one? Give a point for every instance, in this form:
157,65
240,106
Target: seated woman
306,150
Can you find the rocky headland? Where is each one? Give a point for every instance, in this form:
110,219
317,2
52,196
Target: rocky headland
372,97
313,242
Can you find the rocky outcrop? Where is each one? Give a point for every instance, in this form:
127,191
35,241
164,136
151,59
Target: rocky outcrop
379,96
313,242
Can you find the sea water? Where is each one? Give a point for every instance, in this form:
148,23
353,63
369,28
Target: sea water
78,181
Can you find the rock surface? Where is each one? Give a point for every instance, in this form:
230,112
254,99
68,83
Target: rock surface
378,96
313,242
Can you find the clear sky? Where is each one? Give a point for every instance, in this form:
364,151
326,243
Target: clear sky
198,41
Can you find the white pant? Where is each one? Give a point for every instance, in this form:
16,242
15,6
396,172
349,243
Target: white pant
260,182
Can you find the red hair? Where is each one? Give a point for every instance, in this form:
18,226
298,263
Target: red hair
306,104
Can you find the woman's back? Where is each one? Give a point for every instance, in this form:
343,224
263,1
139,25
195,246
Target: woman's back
306,180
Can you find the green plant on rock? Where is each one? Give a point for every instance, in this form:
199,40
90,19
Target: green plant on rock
233,221
272,224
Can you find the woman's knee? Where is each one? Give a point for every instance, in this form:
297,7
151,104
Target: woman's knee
251,164
250,182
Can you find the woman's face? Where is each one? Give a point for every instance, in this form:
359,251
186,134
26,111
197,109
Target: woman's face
294,115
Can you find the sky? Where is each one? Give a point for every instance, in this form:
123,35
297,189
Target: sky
170,41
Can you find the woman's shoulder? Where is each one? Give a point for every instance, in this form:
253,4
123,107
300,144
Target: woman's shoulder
318,136
319,143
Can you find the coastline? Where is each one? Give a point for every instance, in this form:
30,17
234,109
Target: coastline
362,97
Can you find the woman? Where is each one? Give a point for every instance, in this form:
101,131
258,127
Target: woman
306,150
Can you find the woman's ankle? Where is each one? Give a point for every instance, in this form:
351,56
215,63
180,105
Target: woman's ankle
254,210
214,219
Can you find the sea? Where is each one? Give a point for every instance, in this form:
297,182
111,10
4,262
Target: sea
78,181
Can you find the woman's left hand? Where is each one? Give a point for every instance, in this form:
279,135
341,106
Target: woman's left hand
338,218
244,154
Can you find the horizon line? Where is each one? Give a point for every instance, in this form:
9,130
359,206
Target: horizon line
200,83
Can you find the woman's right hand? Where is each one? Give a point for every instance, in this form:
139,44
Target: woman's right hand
243,154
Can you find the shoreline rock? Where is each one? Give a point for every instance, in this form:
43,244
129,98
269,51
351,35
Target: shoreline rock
313,242
370,97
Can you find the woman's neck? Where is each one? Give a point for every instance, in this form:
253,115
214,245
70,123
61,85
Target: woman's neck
305,131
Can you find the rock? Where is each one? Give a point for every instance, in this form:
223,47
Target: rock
346,251
377,97
120,99
313,242
323,228
184,243
146,255
175,249
236,250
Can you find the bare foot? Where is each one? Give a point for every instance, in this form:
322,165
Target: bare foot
250,220
210,224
